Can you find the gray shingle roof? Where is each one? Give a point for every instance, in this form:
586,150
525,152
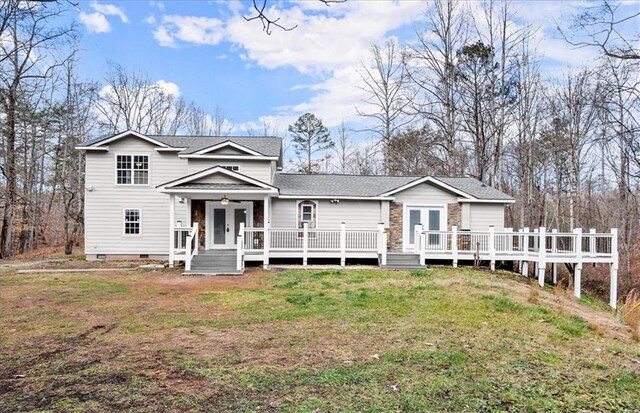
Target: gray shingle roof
474,188
268,146
338,185
371,186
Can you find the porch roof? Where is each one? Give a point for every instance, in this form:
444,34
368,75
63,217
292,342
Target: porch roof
218,186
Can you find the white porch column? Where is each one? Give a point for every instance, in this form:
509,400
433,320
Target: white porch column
343,244
172,232
542,255
554,250
305,243
189,223
613,291
525,249
454,245
577,279
266,219
492,247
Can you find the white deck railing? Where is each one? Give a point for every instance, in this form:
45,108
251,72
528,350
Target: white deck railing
539,247
185,244
317,242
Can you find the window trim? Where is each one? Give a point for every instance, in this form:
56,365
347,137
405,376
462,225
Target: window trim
232,168
124,222
314,211
115,169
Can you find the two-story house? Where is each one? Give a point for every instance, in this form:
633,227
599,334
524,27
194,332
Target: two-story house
144,195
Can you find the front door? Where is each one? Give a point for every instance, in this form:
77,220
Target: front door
432,217
223,223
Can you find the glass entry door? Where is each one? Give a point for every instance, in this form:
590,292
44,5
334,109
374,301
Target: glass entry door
433,219
223,224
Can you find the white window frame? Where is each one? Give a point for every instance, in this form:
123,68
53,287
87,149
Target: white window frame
314,211
132,155
124,222
232,168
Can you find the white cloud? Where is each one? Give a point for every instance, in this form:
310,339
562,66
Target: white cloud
157,4
169,88
110,10
150,19
189,29
95,22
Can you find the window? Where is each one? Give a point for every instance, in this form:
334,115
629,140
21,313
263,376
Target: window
131,222
132,169
232,168
307,213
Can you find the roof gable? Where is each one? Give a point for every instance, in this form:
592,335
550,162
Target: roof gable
99,143
228,148
207,177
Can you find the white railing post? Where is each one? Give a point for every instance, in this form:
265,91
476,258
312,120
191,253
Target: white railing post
423,245
577,279
266,241
343,244
492,247
187,253
172,229
240,248
542,255
592,242
305,243
613,291
196,228
454,245
383,256
554,250
416,238
525,250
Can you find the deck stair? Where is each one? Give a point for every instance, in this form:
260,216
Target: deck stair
402,261
214,262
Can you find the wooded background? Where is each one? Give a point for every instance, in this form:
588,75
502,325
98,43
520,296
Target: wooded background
466,97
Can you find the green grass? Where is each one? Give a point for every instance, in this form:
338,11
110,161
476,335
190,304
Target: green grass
306,341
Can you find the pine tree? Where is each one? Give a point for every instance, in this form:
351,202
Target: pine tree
310,137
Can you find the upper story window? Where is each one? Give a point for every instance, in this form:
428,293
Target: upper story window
235,168
132,169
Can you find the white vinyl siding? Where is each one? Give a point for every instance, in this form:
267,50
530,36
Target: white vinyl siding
355,214
425,194
484,215
260,170
106,200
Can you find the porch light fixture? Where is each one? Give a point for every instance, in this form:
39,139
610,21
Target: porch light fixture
224,200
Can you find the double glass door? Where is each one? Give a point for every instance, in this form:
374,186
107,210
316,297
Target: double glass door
224,224
433,219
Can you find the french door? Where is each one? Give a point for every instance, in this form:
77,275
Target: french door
432,217
223,223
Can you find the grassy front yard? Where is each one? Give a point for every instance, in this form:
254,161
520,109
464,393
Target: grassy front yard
308,341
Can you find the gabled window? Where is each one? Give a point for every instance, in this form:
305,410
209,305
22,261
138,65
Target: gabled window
132,169
132,221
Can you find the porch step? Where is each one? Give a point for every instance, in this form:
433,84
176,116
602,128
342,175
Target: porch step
403,261
214,262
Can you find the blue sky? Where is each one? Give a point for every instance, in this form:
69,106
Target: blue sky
206,51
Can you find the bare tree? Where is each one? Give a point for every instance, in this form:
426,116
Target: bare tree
131,101
30,38
386,86
344,150
431,65
263,15
603,27
411,152
199,122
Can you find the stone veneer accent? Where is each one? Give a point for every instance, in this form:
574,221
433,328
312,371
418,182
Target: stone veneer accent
394,238
454,215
